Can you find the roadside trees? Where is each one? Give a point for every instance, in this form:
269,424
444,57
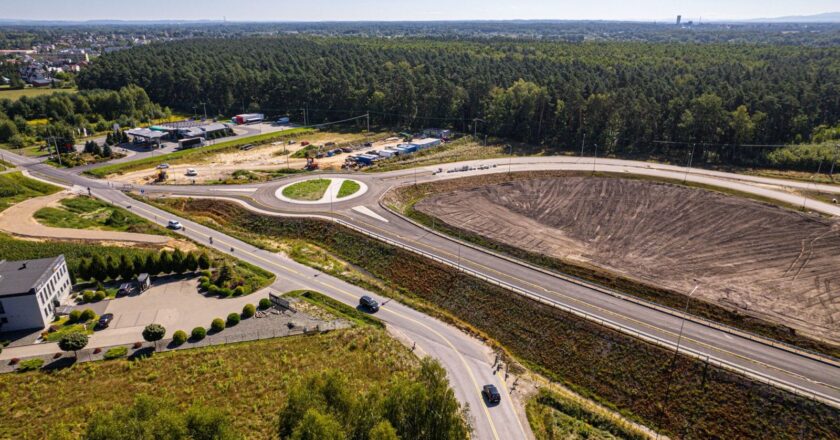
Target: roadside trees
153,333
73,342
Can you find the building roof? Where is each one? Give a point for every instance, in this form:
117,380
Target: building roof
19,277
146,133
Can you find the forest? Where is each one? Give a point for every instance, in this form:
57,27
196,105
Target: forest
623,98
72,115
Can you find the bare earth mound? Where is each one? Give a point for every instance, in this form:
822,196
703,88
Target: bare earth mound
762,260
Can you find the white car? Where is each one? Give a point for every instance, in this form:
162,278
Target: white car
192,172
163,166
174,224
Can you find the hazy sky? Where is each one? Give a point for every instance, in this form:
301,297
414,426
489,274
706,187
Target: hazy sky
316,10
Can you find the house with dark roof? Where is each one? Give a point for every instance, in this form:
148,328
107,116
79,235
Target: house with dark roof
30,292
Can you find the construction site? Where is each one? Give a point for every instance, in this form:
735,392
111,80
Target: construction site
746,256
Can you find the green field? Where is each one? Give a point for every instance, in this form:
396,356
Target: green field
89,213
348,188
555,416
15,188
309,190
193,154
15,94
249,381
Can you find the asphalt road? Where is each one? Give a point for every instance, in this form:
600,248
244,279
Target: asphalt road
468,362
780,366
765,362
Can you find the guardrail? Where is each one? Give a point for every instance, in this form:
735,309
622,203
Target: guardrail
604,322
821,357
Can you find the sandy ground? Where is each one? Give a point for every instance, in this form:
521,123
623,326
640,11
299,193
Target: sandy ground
756,258
267,157
18,220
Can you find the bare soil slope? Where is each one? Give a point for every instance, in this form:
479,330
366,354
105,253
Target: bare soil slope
760,259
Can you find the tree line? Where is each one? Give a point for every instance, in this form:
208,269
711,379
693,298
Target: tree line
72,115
621,96
126,268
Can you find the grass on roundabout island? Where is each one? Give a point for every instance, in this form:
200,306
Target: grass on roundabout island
309,190
348,188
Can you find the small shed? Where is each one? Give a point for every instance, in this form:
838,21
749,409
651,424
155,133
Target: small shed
144,281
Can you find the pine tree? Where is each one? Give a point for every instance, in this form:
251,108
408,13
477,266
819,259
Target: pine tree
98,268
178,261
126,268
165,263
112,268
203,261
151,265
191,262
106,151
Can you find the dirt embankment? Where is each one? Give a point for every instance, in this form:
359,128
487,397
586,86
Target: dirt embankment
757,259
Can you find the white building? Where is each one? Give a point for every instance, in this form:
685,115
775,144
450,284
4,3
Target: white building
30,291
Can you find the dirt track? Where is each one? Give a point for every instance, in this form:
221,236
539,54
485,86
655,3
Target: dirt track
760,259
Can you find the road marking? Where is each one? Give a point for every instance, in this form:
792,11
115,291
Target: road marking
407,318
368,212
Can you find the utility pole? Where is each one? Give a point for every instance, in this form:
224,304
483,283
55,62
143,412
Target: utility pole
510,158
595,159
582,143
690,158
368,121
205,109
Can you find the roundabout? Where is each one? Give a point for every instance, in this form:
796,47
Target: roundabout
316,191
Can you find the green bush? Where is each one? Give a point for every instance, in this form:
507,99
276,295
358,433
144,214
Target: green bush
217,325
205,286
87,315
225,292
239,291
74,316
213,289
203,279
233,319
265,303
30,364
88,296
100,295
199,333
248,311
206,273
179,337
115,353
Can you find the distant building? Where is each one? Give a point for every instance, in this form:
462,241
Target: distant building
679,19
30,291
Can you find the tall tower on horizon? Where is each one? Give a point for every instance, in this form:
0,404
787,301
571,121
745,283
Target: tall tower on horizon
679,19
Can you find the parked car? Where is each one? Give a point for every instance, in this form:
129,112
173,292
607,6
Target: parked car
125,289
192,172
347,149
491,394
368,144
174,224
369,303
304,143
105,320
163,166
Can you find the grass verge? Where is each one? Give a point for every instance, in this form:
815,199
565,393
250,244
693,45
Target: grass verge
337,308
310,190
403,200
193,154
15,188
88,213
679,396
249,381
348,188
553,416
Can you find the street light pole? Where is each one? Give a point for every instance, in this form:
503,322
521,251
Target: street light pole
685,313
690,158
510,158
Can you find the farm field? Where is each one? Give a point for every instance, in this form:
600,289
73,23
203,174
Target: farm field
249,381
754,258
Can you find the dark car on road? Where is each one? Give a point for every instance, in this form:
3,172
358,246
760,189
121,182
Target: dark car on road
105,320
369,303
491,394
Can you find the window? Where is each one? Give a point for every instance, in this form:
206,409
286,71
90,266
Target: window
2,310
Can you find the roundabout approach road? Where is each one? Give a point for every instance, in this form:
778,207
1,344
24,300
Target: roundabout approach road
799,372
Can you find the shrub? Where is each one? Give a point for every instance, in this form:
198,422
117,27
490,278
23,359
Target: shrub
87,315
205,286
136,345
74,315
233,319
206,274
14,361
217,325
179,337
225,292
239,291
100,295
115,353
265,303
203,279
248,311
73,342
199,333
213,289
30,364
88,295
154,332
